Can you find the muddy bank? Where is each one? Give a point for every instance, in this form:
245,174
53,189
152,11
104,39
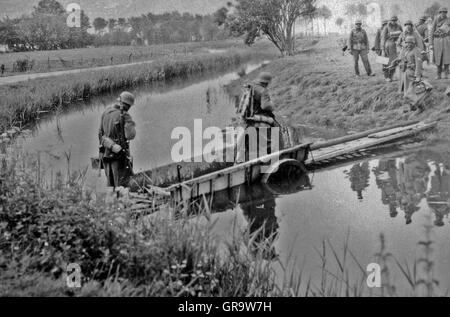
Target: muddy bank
321,89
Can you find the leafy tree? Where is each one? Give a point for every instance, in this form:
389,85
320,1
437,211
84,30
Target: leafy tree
112,24
325,14
100,24
433,10
273,18
220,16
49,7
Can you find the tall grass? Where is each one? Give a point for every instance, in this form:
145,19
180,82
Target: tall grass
47,224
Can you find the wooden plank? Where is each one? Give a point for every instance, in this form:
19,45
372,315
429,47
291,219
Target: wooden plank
394,131
356,136
359,145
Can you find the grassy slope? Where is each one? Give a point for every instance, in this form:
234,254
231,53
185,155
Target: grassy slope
318,87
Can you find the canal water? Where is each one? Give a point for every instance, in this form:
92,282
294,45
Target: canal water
396,194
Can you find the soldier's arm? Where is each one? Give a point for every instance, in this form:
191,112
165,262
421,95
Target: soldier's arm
266,101
384,38
101,133
419,41
432,31
130,127
366,39
350,45
419,65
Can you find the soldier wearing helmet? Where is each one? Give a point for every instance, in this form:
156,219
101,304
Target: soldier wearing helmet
377,45
422,28
389,37
411,65
116,130
257,114
410,31
440,43
359,47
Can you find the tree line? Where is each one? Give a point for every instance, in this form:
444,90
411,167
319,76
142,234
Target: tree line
44,29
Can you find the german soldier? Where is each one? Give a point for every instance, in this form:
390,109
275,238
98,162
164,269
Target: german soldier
422,28
377,46
410,61
116,130
389,37
259,115
440,41
358,44
410,31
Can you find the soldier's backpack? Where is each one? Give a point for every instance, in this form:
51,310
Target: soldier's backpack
246,109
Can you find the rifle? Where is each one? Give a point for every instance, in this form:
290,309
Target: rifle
125,145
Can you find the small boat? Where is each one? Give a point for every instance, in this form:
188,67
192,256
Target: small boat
181,182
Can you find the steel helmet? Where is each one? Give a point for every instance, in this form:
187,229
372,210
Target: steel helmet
127,98
265,78
410,39
443,9
385,22
424,18
394,18
408,22
358,22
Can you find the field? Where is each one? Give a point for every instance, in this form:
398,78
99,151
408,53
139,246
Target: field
318,87
48,61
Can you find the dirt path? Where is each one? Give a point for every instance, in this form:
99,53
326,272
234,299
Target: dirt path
21,78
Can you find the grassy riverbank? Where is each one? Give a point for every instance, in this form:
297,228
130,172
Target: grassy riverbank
47,224
318,87
58,60
21,103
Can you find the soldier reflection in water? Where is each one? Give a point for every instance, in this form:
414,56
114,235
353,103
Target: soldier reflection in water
413,179
259,207
438,198
386,179
359,176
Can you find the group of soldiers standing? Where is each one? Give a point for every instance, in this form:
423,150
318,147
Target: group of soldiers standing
406,47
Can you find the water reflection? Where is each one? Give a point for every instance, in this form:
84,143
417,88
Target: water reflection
406,182
359,176
438,198
259,206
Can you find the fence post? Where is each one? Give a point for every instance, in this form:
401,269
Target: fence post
48,63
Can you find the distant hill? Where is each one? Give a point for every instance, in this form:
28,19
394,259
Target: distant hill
118,8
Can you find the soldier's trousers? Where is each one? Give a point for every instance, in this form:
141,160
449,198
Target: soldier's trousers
365,59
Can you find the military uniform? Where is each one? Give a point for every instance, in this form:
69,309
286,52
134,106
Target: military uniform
440,39
359,46
410,67
377,45
111,129
422,29
416,35
389,37
261,117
